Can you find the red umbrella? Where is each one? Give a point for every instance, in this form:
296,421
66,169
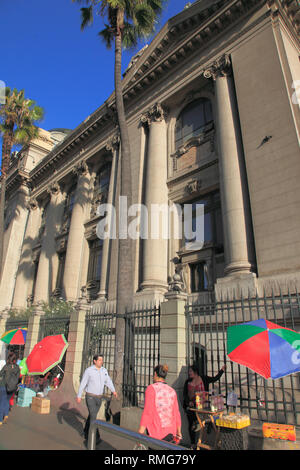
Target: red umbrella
46,354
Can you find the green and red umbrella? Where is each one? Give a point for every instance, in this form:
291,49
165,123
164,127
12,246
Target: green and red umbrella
266,348
46,354
16,336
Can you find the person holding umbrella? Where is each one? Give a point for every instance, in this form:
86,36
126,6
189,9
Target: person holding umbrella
93,381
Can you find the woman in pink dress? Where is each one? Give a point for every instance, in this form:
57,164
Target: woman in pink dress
161,416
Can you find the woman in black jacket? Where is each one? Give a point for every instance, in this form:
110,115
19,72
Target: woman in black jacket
196,383
11,369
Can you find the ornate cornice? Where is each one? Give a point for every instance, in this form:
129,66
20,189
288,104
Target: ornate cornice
183,36
288,8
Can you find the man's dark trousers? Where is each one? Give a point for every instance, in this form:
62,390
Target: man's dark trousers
93,404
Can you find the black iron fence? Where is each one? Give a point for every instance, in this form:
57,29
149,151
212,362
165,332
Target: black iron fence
54,326
267,400
142,329
142,338
99,338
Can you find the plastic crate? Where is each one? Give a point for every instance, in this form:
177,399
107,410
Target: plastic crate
26,393
286,432
25,396
24,404
234,439
233,421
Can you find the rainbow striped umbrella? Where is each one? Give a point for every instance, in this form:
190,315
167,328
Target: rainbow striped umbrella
266,348
16,336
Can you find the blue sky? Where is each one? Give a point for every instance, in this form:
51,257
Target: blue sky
67,72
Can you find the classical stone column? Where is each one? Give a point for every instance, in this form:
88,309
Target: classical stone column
155,245
26,265
33,329
239,256
113,147
71,278
45,282
16,219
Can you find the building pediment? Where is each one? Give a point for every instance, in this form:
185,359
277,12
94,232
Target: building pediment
192,30
182,36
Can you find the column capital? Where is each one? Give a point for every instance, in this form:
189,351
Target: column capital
32,204
80,169
113,143
53,189
157,113
219,68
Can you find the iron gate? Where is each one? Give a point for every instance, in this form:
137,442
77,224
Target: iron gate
141,351
54,326
142,339
267,400
99,338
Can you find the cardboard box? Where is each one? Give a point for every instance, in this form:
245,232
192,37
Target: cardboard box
40,411
40,405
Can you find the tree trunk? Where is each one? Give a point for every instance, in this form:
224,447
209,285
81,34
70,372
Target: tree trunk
7,144
125,275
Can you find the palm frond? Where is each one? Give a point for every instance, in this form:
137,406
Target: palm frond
87,17
129,36
144,17
107,36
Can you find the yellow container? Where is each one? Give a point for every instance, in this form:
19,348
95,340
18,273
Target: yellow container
233,421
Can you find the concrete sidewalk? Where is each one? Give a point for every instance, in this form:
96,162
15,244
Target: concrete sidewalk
60,430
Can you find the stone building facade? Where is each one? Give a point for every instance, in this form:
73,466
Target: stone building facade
213,118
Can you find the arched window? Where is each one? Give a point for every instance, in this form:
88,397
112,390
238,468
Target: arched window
192,120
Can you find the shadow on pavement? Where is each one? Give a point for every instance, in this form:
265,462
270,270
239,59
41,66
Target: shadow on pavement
72,417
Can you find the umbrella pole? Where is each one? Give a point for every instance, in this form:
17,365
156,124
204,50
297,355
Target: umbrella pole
60,368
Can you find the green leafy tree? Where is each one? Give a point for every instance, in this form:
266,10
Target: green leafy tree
127,21
18,116
57,308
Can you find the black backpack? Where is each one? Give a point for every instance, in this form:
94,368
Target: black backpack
12,375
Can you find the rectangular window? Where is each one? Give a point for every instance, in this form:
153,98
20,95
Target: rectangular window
213,229
199,277
95,260
60,271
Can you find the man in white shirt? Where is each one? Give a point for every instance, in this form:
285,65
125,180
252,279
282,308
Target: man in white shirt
93,381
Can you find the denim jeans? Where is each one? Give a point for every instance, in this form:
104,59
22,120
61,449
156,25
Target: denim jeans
93,405
4,403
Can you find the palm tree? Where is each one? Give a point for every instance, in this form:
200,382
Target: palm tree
17,117
128,21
